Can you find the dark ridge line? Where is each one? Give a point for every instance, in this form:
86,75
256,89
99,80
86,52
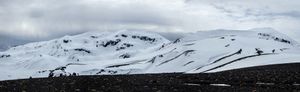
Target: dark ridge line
188,63
224,57
189,44
219,60
120,65
74,64
152,60
171,59
117,65
200,67
185,52
235,61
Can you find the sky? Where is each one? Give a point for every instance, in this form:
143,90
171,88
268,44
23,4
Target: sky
47,19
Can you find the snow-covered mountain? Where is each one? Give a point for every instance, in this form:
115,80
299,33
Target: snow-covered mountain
135,52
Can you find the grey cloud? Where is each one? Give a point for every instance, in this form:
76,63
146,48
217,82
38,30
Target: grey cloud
259,14
46,19
53,17
295,14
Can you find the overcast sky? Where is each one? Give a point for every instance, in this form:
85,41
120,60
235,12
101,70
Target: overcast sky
43,19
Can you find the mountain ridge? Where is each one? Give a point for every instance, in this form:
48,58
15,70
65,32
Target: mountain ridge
139,52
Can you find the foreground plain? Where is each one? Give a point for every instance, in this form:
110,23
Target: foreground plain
276,78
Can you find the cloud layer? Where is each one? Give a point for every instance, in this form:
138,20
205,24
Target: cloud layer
51,18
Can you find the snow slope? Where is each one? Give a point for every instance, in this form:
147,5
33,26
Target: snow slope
134,52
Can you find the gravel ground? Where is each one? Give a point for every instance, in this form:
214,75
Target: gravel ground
275,78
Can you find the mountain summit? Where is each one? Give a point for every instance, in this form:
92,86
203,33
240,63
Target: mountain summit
138,52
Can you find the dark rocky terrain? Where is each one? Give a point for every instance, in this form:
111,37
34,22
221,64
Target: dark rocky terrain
275,78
